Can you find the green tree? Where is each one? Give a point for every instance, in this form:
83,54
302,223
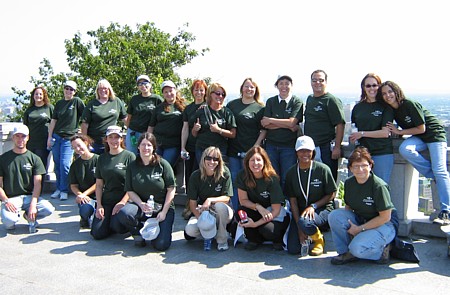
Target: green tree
120,54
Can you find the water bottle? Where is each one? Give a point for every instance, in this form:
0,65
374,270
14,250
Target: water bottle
185,155
305,248
51,145
355,129
32,226
151,205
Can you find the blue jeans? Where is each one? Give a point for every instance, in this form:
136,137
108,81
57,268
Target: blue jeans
22,202
325,157
365,245
62,156
309,227
103,228
132,218
171,155
282,158
436,169
86,211
236,164
132,148
98,148
383,165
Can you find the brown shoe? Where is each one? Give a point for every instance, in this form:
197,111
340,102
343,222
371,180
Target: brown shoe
343,258
385,255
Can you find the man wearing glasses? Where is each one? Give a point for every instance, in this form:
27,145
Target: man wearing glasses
324,121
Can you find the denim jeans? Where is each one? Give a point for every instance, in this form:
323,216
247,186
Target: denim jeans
236,164
171,155
62,156
325,157
436,169
132,218
86,210
365,245
98,148
282,158
309,227
102,228
132,148
383,165
22,202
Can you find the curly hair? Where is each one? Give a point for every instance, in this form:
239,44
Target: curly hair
45,95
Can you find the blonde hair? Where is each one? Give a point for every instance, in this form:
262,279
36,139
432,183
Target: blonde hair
105,83
214,152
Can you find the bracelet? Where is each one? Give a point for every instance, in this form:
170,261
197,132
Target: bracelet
362,228
362,133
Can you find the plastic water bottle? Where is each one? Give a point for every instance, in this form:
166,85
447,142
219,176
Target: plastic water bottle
185,155
355,129
305,248
151,205
32,226
51,146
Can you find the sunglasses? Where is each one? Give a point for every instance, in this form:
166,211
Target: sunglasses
317,80
143,83
69,88
219,93
209,158
372,86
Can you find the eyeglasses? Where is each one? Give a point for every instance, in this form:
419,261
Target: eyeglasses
69,88
317,80
372,86
361,166
209,158
143,83
219,93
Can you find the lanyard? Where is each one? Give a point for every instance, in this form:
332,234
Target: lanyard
307,184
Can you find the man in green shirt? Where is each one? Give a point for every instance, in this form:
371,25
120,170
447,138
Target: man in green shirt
21,182
325,121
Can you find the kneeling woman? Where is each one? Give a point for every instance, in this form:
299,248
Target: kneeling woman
310,187
364,228
149,175
110,181
82,177
261,197
210,188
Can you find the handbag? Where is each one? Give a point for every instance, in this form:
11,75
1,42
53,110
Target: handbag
404,250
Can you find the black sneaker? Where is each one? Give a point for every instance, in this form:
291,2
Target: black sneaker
443,218
250,246
139,241
343,259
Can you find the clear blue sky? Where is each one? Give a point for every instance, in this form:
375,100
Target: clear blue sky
403,41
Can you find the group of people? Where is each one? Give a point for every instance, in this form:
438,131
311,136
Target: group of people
249,166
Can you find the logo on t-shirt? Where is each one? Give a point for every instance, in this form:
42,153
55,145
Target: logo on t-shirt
377,113
27,166
369,201
93,170
408,119
218,188
289,110
112,111
316,182
265,194
220,122
44,115
318,108
151,106
156,175
248,115
71,107
121,166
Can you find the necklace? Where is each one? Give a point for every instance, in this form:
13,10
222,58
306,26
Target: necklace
305,195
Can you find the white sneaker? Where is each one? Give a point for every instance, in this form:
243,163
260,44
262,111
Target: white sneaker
55,194
222,246
64,196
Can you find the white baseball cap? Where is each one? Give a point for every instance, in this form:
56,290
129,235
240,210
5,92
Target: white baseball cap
167,84
150,231
22,129
305,143
207,225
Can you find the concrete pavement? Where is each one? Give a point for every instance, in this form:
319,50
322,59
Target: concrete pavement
62,259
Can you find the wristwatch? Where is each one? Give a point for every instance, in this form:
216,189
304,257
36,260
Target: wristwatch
314,206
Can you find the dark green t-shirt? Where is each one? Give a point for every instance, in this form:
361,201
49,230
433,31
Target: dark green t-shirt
372,117
321,184
369,198
37,119
167,126
100,116
82,172
412,114
189,116
200,190
248,120
18,170
322,114
141,110
112,169
150,180
265,193
67,114
205,138
274,109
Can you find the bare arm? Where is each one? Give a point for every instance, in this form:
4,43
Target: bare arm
382,218
84,128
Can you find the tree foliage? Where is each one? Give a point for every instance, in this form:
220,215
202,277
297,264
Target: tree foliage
119,54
